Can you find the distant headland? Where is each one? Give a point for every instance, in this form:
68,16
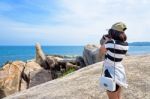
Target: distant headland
139,44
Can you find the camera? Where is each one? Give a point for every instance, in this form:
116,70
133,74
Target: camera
104,39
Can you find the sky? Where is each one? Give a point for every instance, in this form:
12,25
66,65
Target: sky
70,22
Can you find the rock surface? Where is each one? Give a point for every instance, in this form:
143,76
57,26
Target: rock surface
18,76
36,74
91,54
10,78
40,57
83,84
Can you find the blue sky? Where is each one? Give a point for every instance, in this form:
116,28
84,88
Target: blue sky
70,22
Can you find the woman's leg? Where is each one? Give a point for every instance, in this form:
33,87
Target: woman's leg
114,95
119,93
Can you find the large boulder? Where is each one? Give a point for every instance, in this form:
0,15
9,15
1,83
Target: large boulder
10,78
36,74
91,54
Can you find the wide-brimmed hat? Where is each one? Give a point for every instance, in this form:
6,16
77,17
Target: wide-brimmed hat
119,26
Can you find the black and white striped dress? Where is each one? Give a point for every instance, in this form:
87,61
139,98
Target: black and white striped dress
116,50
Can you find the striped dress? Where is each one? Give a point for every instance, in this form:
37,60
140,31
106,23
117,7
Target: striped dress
114,56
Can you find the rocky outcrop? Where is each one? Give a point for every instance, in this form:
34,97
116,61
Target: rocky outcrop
91,54
18,75
55,64
84,84
10,78
40,57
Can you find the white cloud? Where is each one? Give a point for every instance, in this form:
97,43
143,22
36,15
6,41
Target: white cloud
85,21
96,15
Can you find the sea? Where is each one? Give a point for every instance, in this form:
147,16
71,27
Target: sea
24,53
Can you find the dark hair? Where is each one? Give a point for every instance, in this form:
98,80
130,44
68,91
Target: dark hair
117,35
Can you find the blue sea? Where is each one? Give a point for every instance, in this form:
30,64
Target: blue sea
11,53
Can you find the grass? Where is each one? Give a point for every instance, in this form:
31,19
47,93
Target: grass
70,70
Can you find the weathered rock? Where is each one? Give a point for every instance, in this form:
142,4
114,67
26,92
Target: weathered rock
70,60
22,75
18,76
51,61
59,65
84,83
91,54
80,61
10,78
69,65
47,62
57,58
36,74
40,56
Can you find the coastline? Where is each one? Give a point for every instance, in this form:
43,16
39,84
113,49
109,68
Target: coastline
78,84
24,53
44,68
68,57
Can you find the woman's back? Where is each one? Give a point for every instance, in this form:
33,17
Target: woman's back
115,52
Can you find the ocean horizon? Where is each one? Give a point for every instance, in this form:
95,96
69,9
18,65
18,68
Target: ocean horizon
24,53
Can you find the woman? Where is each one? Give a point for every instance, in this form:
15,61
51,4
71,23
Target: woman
115,48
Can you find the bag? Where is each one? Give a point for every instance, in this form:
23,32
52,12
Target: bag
107,82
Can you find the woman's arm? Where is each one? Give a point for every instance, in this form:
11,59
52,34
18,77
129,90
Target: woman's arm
103,49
